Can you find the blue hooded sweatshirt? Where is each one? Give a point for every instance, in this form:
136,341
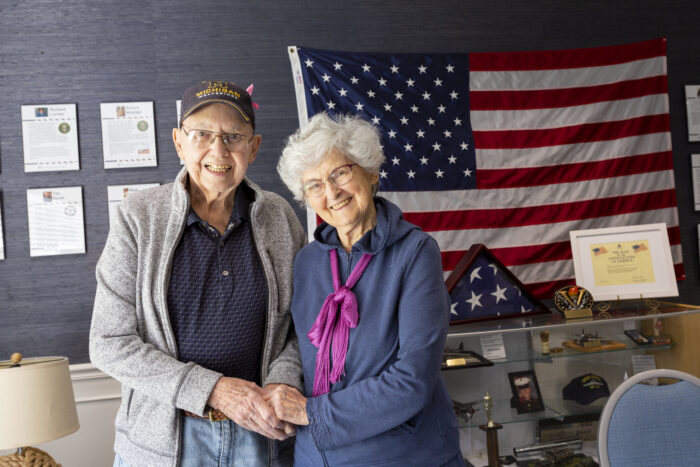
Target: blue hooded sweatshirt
391,407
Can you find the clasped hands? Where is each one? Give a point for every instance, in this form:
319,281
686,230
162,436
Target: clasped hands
273,411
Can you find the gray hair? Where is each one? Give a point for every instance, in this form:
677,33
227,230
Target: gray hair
356,138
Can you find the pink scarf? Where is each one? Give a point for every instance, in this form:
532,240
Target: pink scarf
326,325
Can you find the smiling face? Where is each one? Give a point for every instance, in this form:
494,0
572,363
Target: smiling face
215,170
348,208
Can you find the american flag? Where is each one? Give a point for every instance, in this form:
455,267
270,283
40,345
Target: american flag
485,291
512,150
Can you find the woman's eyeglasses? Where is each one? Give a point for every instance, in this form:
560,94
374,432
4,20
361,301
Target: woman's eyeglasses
339,177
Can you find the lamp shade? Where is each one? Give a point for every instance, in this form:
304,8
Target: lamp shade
36,402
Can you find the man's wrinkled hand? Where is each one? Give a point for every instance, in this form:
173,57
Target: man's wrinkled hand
288,403
243,402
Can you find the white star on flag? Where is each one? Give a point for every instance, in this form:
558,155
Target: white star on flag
475,300
500,293
475,274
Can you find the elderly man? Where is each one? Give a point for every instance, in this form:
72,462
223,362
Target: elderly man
194,286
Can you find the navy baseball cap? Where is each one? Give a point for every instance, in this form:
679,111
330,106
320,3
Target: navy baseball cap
225,92
585,389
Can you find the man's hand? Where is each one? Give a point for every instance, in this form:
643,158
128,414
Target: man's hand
243,402
288,403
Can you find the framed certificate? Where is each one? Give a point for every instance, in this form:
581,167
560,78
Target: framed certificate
624,262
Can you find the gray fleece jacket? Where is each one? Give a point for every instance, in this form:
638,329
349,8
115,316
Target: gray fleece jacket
132,340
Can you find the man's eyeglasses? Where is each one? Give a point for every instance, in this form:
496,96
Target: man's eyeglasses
339,177
202,139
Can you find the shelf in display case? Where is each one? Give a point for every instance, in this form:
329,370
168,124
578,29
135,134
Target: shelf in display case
603,313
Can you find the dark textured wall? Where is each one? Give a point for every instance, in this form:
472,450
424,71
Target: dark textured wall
89,52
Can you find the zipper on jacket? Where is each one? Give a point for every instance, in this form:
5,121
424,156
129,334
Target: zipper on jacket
348,256
270,442
267,307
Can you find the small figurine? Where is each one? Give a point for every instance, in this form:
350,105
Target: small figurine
588,340
464,410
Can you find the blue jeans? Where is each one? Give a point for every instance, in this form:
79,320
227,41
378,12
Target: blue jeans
217,444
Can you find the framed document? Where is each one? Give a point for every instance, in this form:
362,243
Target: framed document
128,134
624,262
692,107
56,224
118,193
50,137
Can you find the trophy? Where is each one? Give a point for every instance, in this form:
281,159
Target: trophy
574,302
491,429
544,339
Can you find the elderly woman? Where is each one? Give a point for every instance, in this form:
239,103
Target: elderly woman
371,312
193,292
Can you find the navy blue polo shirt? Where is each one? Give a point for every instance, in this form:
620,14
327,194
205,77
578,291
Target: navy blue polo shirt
217,296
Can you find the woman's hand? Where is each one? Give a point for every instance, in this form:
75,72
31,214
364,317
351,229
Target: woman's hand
288,403
243,402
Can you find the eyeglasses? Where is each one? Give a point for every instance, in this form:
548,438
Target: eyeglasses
202,139
339,177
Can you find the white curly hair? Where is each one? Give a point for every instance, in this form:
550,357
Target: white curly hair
356,138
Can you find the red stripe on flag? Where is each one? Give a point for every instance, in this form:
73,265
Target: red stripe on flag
532,215
602,131
570,58
534,176
680,271
551,98
517,255
547,289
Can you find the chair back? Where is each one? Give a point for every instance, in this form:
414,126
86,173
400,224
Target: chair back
652,425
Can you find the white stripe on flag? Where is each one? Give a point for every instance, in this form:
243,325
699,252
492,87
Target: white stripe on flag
502,198
572,153
565,78
608,111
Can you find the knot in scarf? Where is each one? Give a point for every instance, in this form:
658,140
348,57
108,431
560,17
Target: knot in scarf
327,328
